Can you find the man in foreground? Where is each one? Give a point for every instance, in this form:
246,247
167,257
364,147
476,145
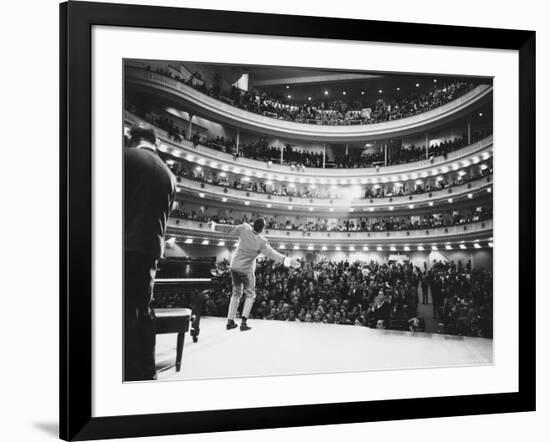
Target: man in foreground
243,266
149,189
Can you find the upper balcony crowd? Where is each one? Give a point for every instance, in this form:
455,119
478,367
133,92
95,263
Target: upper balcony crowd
292,156
329,112
260,150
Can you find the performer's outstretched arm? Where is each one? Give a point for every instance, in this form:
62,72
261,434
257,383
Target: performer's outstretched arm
226,228
271,253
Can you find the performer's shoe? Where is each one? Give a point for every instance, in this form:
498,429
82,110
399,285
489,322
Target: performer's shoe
231,324
195,338
245,327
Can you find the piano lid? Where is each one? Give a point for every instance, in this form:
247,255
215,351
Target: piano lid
191,269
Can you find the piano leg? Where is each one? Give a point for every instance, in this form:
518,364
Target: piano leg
179,350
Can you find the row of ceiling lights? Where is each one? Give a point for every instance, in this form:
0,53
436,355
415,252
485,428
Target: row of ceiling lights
392,248
351,209
380,91
342,181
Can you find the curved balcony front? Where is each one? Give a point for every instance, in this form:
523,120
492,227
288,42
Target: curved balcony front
212,192
179,95
482,149
470,232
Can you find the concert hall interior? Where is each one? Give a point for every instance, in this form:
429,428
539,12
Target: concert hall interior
379,184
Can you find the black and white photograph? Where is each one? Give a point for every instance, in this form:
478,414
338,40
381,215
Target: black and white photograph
275,221
287,220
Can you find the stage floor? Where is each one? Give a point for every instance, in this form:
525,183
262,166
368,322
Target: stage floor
274,348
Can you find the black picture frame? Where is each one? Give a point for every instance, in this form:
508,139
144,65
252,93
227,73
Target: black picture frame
76,21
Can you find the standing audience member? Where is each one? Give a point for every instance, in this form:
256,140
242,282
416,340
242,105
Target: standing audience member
149,190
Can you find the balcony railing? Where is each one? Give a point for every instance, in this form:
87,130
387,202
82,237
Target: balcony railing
481,230
202,104
224,161
216,192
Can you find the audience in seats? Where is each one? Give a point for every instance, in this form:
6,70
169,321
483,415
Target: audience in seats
364,294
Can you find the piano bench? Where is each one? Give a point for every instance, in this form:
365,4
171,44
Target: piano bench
173,320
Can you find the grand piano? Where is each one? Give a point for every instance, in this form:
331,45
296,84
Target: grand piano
178,297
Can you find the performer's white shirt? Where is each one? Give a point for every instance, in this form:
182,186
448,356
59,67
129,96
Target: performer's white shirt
251,245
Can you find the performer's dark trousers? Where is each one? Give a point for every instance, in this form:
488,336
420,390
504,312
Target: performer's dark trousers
139,318
424,294
197,303
435,301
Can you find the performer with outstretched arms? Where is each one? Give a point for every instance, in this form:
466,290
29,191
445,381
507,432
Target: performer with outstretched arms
243,265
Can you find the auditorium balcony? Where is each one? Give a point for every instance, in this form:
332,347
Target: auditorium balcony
353,198
467,235
176,93
203,155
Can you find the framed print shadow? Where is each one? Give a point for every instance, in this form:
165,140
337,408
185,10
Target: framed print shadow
304,209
